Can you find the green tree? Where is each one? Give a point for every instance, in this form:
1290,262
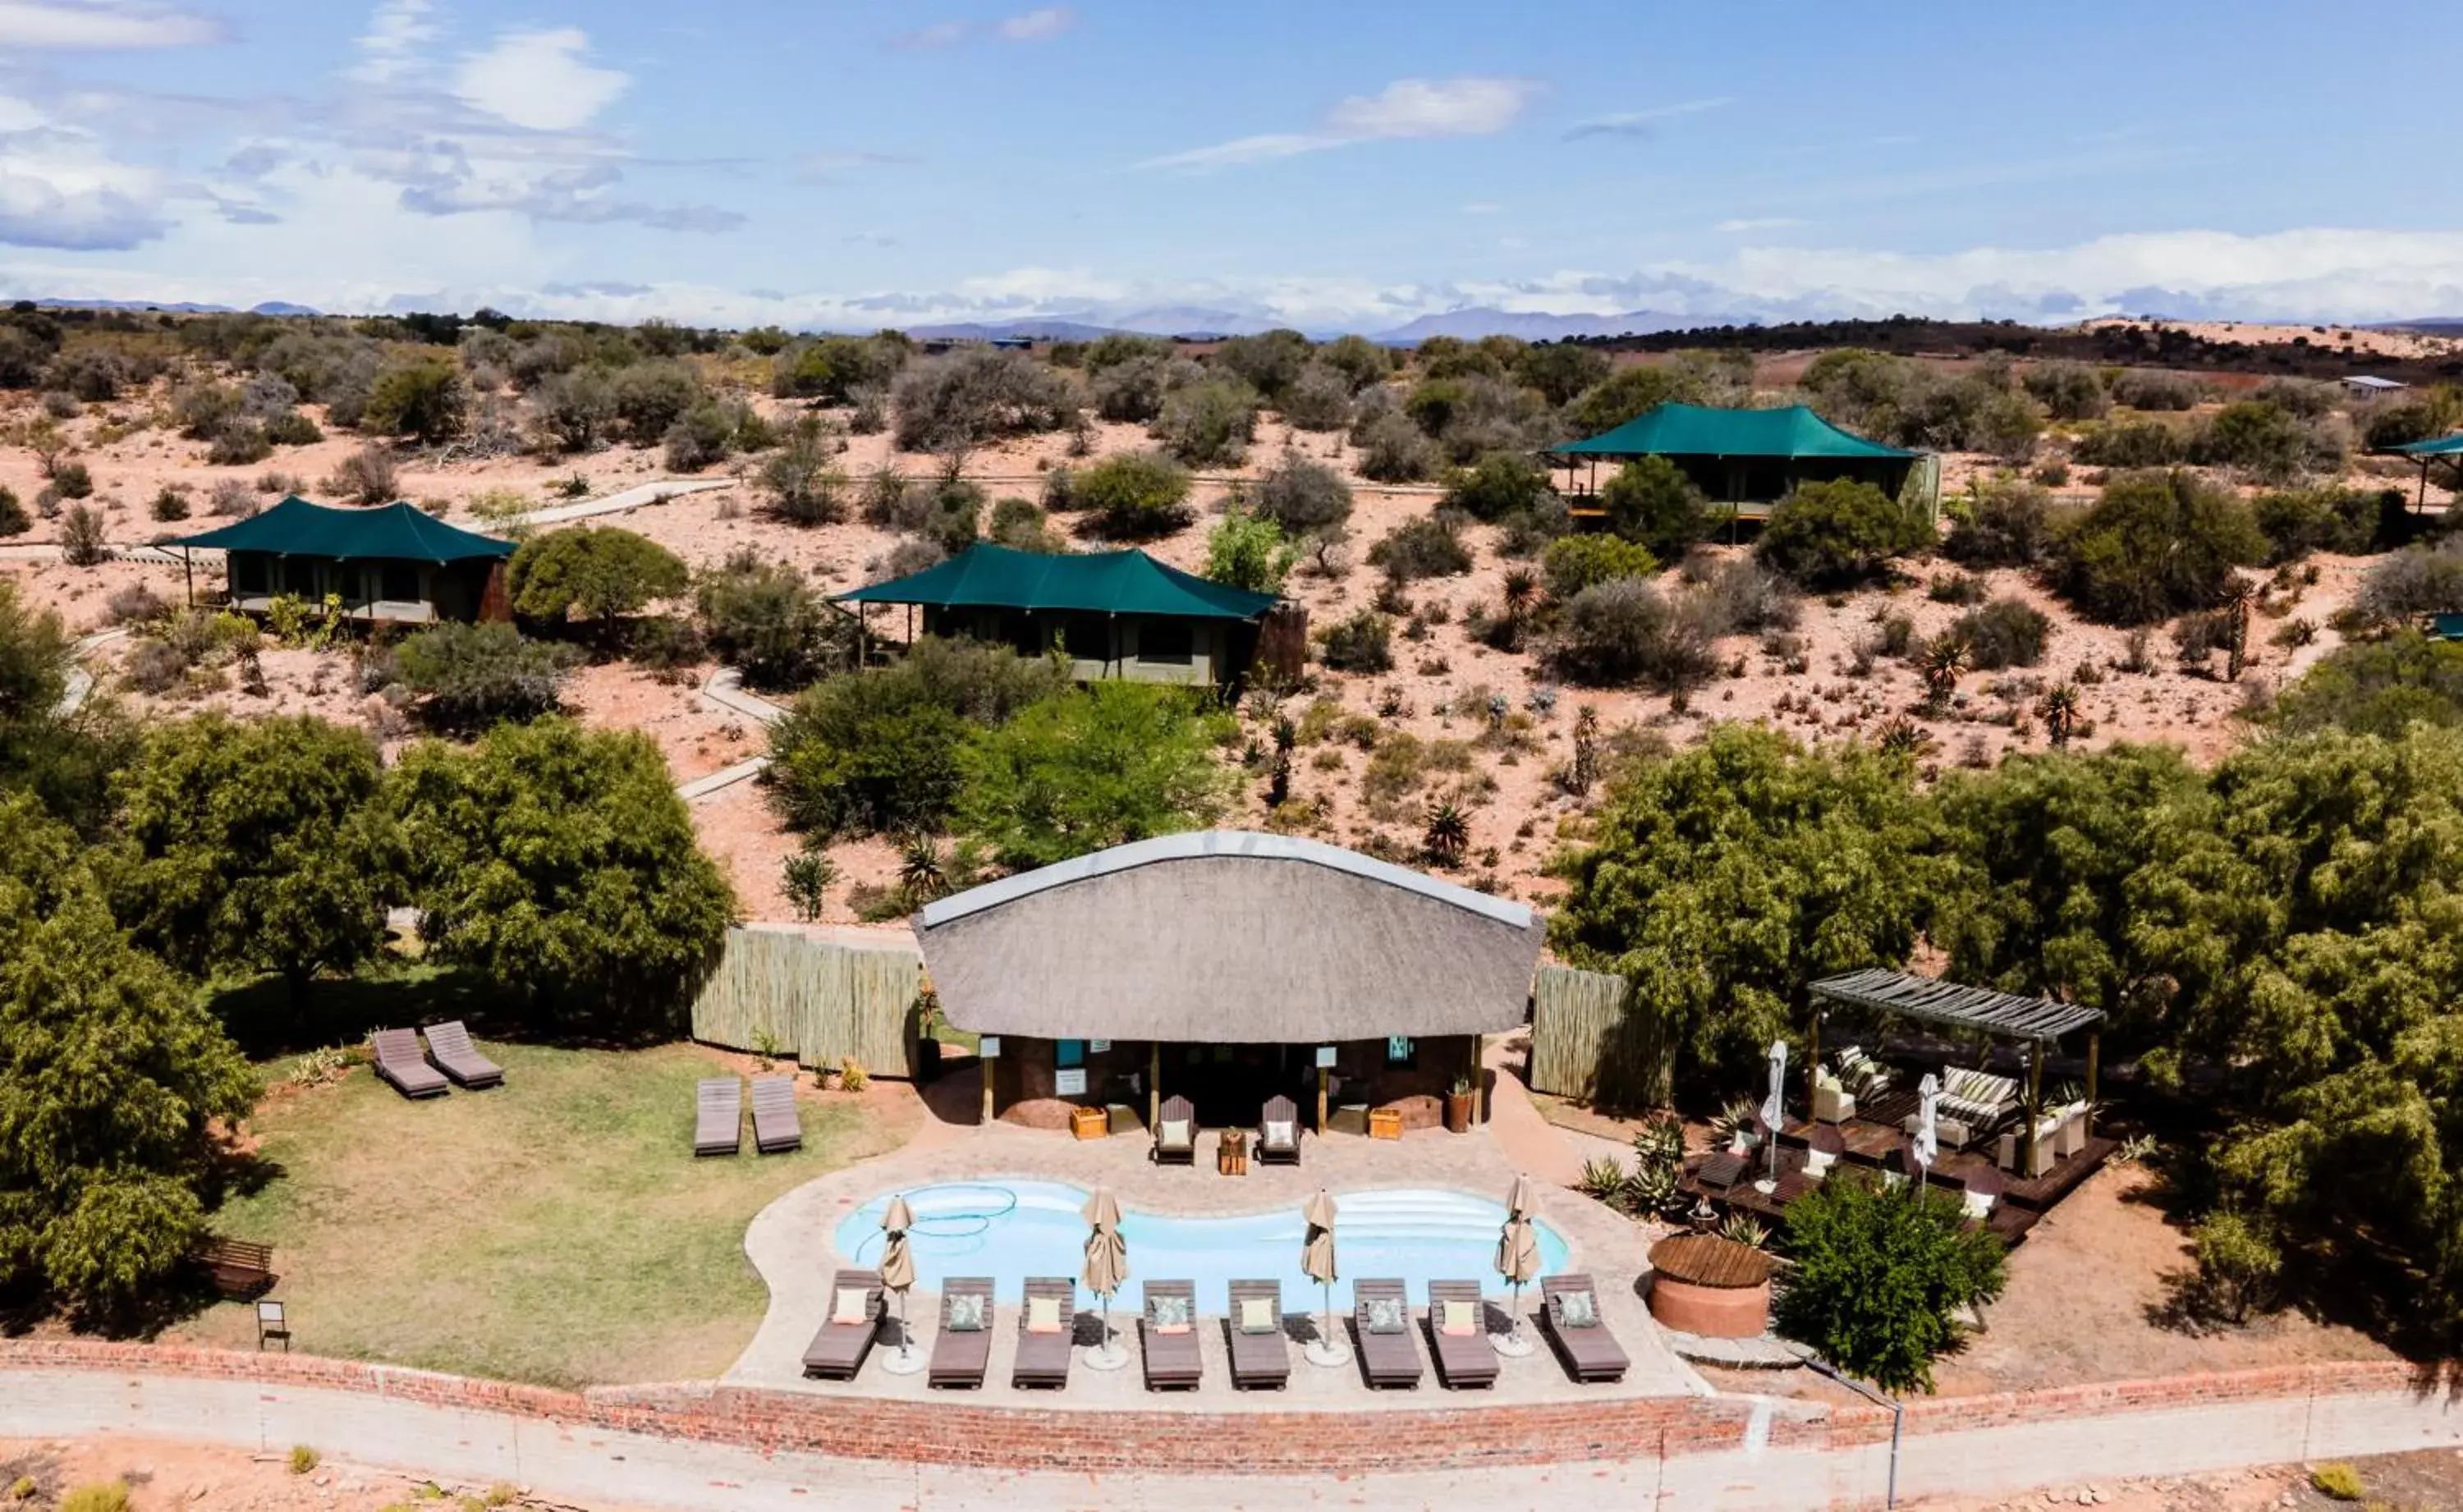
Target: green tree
1880,1276
1134,495
65,760
1092,768
1627,393
560,862
1838,532
1722,879
476,675
1651,501
260,845
2154,545
112,1077
1246,551
1561,370
599,574
1500,483
422,399
2376,687
1573,563
764,619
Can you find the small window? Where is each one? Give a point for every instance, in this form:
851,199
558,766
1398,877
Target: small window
1066,1053
249,575
1399,1050
299,576
399,583
1165,640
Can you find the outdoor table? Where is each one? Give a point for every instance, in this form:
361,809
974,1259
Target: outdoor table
1231,1153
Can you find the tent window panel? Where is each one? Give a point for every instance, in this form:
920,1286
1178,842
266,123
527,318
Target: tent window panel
1165,640
299,576
249,575
1088,638
398,582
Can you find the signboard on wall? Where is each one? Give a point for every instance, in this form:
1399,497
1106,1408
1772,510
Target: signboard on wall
1097,1046
989,1046
1071,1083
1325,1057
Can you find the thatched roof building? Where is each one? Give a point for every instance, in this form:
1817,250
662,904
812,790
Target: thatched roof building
1229,938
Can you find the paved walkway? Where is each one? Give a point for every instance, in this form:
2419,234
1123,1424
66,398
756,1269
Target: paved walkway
790,1243
658,491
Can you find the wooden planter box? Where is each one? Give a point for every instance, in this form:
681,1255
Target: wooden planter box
1384,1123
1090,1123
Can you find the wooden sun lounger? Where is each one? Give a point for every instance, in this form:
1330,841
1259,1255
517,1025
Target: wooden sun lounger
1589,1354
1259,1361
1173,1360
960,1359
1463,1361
403,1067
1043,1358
1386,1360
1279,1110
774,1124
838,1350
718,1115
1182,1150
450,1051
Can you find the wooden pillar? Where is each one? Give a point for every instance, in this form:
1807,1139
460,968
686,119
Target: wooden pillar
990,1065
2035,1108
1154,1086
2094,1058
1321,1075
1478,1080
1811,1063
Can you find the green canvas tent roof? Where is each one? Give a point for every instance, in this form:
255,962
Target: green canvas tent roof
2435,447
395,532
1694,430
984,576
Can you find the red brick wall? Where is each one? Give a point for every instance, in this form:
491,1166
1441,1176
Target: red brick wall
943,1431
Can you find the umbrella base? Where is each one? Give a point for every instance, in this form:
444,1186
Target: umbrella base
1106,1356
1328,1352
902,1362
1512,1346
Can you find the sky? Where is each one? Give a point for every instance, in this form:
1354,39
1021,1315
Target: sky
1346,166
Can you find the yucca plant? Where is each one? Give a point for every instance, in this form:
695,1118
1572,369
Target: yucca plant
921,871
1945,661
2058,709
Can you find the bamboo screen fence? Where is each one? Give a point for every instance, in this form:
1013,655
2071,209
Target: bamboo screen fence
1585,1042
815,998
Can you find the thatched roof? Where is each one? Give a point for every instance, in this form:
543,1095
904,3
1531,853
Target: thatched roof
1228,937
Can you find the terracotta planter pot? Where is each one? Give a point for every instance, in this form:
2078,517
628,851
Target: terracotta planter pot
1461,1107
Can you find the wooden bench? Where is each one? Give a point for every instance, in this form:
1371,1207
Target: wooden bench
239,1269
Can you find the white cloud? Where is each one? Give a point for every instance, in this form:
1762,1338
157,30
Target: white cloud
389,49
1763,222
939,34
1407,107
1641,122
101,25
538,79
1034,25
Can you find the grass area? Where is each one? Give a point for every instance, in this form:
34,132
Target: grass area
557,1230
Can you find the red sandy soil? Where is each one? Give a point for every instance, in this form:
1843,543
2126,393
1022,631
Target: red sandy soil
162,1475
2429,1481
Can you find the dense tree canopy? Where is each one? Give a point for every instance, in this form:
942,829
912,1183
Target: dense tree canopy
594,574
1095,766
1881,1275
1838,532
2154,544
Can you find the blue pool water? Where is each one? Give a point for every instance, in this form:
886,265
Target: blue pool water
1010,1230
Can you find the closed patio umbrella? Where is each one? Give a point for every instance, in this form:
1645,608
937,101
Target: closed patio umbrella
1316,1261
1107,1269
897,1274
1517,1258
1927,1144
1773,1113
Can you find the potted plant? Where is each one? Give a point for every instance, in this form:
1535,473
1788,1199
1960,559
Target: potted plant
1462,1106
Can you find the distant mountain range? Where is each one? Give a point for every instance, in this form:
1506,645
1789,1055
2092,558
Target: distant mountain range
1185,321
1535,325
272,307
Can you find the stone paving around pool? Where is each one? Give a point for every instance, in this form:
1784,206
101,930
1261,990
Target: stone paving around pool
790,1245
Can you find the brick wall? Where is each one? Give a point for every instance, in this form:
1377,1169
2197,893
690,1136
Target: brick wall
1464,1437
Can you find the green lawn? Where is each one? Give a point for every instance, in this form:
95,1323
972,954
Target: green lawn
556,1230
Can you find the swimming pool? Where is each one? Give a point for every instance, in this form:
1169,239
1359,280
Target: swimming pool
1013,1229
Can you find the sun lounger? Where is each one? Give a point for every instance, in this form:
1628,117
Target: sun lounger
450,1051
960,1356
1577,1331
718,1115
1175,1135
774,1124
1279,1132
1381,1314
1168,1331
1042,1355
398,1062
1260,1360
1463,1359
846,1335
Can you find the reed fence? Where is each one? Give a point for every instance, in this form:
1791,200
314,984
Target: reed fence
1588,1042
814,999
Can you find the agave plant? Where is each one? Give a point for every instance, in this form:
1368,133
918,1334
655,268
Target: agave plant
1743,1228
1652,1188
921,870
1742,1116
1449,833
1602,1179
1660,1141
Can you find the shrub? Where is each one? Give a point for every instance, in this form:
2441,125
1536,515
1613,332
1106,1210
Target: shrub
2133,444
1499,485
1741,594
1428,546
1879,1276
2154,545
2338,1481
201,410
2255,437
702,436
1319,399
1302,496
1133,389
1626,629
2415,581
1021,527
82,536
422,399
2068,390
805,879
2005,633
71,480
1089,768
2147,389
2237,1265
366,476
14,519
302,1459
1135,494
802,483
1627,393
1651,501
473,676
90,374
2376,687
1393,449
1361,643
239,444
1829,534
1578,562
2007,524
1245,551
835,370
954,403
97,1495
596,573
290,428
1207,425
2298,521
765,619
170,506
576,410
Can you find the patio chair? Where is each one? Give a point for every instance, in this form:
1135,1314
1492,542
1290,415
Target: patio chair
1168,1329
1381,1314
1977,1098
1458,1335
718,1115
963,1349
775,1126
1261,1354
1279,1132
1046,1333
1861,1075
1982,1193
1822,1149
398,1062
1831,1102
1570,1317
450,1051
1175,1135
846,1335
2011,1153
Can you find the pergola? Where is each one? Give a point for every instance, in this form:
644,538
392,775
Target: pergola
2037,1022
2439,449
